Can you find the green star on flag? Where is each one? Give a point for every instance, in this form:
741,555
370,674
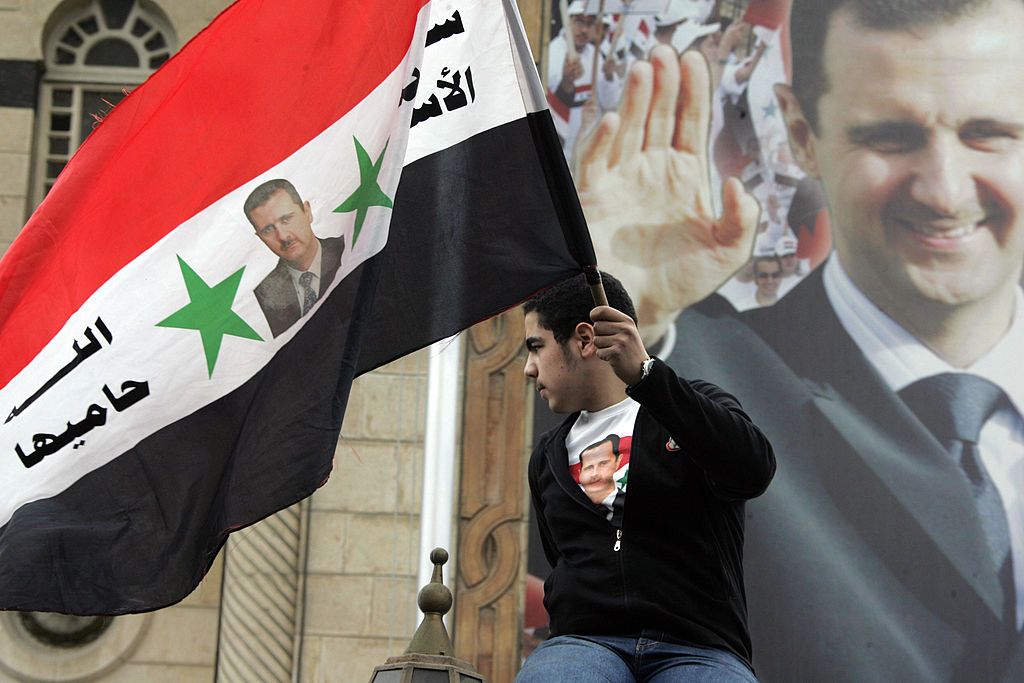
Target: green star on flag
209,312
368,193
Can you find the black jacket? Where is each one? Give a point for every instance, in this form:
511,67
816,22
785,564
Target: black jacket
678,567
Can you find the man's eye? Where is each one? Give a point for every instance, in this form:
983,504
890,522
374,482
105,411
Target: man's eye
891,144
889,139
988,137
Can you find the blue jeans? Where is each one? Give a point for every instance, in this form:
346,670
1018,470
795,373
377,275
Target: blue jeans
619,659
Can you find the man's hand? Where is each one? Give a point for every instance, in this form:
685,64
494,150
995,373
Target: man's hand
644,185
746,69
731,38
572,69
613,68
618,342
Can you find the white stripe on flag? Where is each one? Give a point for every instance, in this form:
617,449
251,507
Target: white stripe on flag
500,82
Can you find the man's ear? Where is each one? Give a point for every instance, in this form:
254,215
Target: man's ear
307,210
801,135
583,337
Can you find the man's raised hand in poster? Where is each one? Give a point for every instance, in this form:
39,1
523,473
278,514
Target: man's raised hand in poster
643,181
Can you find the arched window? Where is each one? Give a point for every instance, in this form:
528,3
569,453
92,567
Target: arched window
94,52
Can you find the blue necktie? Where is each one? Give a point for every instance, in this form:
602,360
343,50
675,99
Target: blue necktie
308,295
954,406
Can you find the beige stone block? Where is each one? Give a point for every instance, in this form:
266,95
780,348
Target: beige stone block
13,173
161,673
337,605
9,4
416,363
20,36
180,635
191,16
393,611
387,407
326,542
16,128
385,544
40,9
310,660
373,476
207,593
12,216
349,660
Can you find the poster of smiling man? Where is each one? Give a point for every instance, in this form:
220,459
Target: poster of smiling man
872,152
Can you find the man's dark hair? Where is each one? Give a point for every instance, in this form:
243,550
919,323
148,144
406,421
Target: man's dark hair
613,439
261,194
562,307
809,22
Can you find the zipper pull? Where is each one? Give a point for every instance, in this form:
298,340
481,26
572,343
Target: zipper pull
618,540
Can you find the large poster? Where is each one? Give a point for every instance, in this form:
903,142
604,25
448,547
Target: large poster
819,206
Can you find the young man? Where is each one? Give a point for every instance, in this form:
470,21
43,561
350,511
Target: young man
646,585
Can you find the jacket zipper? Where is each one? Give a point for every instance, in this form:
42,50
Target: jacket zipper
617,549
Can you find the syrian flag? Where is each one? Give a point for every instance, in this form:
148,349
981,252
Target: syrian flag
297,197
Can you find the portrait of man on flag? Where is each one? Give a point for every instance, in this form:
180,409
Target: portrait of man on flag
307,263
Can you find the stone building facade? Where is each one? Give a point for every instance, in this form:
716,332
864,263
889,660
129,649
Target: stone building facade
325,590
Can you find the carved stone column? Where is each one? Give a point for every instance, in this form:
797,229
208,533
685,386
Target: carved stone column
493,500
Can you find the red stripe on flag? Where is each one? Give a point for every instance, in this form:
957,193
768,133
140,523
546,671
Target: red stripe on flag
262,80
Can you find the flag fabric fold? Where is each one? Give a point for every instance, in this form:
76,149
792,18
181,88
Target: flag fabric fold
294,199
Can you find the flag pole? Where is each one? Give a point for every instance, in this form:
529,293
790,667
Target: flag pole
593,276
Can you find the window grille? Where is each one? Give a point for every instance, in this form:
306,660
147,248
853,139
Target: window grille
93,55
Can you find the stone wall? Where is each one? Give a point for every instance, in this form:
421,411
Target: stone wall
364,529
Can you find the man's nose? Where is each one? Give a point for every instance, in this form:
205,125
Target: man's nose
284,234
530,369
942,179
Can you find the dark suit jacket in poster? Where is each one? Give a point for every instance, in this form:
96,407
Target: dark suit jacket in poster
865,560
276,293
